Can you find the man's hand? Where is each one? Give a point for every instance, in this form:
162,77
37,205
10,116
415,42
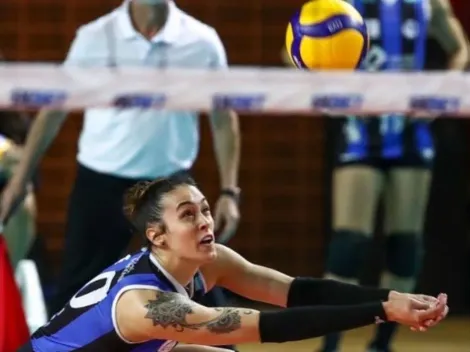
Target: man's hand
226,218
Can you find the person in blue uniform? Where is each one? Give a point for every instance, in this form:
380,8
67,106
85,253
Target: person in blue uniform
148,301
388,157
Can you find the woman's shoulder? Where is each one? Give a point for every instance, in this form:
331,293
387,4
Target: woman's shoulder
212,270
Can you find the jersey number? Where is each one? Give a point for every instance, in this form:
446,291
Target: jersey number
375,58
95,296
98,294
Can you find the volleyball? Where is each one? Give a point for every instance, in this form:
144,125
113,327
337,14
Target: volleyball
327,35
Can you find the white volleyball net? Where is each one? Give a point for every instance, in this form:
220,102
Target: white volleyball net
247,89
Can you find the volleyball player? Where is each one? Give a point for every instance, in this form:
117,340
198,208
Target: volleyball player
120,146
146,301
389,155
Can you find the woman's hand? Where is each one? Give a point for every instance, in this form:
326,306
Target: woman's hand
432,301
417,311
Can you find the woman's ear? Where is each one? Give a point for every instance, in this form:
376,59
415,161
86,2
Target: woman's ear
156,235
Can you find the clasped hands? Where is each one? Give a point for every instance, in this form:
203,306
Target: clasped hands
417,311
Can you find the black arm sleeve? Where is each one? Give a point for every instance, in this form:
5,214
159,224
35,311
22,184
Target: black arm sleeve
293,324
309,292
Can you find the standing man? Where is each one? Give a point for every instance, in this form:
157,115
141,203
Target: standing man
119,147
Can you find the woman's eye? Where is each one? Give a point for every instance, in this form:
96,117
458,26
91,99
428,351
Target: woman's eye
206,211
187,213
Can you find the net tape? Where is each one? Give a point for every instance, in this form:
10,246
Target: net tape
245,89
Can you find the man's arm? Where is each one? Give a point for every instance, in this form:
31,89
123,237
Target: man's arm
43,131
226,136
447,30
271,286
143,315
47,123
225,128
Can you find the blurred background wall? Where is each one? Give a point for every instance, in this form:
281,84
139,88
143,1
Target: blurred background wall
284,173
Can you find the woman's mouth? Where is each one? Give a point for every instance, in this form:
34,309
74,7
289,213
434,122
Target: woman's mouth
207,239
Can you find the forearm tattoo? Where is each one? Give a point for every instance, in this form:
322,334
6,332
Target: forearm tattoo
169,310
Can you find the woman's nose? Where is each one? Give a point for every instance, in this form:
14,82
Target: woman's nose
204,225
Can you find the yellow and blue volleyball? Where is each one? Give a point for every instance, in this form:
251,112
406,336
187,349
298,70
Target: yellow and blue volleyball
327,35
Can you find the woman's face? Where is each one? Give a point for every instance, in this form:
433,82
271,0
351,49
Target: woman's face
189,226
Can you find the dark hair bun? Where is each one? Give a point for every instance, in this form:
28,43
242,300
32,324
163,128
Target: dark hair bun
133,198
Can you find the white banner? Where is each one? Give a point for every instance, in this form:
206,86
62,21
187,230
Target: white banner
247,89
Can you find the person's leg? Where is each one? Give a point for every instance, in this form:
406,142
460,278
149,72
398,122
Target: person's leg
20,230
96,234
356,192
406,204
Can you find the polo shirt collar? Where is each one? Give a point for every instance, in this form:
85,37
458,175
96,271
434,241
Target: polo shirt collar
168,34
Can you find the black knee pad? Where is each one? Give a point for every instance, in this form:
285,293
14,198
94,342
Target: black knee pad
404,254
346,253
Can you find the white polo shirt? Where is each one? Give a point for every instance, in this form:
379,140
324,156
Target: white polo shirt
139,143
